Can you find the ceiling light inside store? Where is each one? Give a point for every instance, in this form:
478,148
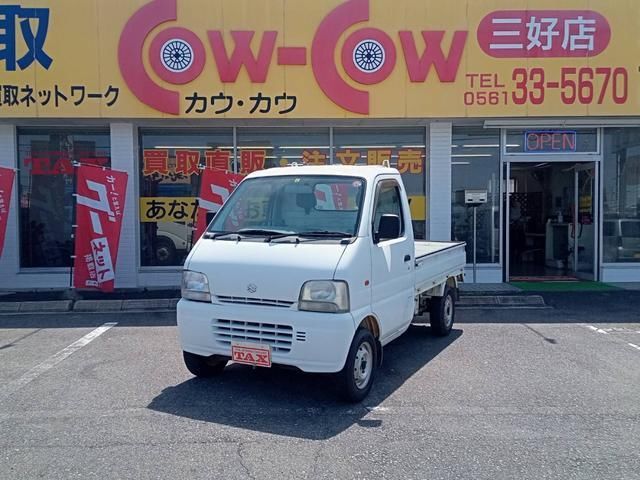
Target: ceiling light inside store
369,146
460,163
182,147
480,146
305,148
472,155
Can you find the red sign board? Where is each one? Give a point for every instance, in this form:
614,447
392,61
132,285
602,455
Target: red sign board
7,176
215,188
100,203
543,33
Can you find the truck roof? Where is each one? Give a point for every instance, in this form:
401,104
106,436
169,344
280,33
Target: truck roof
368,172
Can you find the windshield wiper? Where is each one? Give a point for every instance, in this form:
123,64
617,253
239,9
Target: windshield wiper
269,234
214,235
324,233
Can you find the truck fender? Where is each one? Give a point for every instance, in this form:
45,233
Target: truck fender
371,324
438,290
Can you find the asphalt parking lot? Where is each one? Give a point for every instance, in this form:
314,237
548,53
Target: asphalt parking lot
511,393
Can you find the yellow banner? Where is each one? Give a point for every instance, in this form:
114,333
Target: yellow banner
203,59
167,209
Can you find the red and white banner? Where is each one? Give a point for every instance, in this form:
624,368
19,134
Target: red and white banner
100,203
215,188
7,176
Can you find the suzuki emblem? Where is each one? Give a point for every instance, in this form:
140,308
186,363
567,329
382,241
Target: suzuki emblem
252,288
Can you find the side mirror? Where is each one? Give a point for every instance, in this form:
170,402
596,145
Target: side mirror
388,229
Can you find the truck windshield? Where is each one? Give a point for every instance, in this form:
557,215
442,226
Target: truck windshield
306,204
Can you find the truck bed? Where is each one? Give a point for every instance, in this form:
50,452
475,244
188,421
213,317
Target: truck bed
437,261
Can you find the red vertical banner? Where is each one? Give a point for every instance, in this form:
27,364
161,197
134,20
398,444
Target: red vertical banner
100,200
7,176
215,188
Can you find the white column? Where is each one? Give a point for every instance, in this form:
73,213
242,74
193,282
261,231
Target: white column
124,157
439,181
10,259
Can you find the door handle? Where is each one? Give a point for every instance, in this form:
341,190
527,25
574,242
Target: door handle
407,258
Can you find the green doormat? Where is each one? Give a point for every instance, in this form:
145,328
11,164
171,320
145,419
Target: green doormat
564,286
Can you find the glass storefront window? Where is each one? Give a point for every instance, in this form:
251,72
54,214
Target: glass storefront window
546,141
46,185
475,164
274,147
170,163
404,148
621,178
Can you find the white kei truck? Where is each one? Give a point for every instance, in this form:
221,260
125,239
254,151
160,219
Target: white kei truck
313,267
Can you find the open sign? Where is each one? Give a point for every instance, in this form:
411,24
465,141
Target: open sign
546,141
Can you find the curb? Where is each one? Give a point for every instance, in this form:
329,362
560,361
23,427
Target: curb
169,304
502,301
89,306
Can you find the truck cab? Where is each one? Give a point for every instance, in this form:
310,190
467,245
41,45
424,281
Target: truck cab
315,268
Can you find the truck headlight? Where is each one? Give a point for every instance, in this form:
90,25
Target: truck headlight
195,286
329,296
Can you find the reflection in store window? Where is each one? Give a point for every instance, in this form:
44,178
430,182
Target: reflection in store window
621,216
475,161
403,148
276,147
169,185
46,190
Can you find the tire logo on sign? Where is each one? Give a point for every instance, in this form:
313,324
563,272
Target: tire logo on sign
176,55
369,56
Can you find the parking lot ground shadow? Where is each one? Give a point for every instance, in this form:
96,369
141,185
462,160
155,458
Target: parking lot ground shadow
294,404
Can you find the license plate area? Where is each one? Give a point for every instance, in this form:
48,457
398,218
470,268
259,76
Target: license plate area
254,354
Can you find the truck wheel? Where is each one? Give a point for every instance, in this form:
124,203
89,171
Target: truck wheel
442,313
356,377
203,366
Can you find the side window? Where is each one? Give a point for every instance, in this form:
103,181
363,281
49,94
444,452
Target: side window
388,203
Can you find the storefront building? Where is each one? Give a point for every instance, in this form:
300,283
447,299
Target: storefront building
536,106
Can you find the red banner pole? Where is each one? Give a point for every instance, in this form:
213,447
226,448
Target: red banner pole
194,220
74,216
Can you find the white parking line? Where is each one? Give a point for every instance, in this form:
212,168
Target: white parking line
616,340
52,361
596,329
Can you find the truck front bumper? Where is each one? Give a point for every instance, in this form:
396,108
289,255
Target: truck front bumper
310,341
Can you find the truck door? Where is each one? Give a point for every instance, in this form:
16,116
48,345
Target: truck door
392,262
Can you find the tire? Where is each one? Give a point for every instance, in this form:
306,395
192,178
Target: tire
356,378
203,367
164,252
442,313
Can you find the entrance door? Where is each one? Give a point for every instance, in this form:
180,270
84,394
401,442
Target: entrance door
551,219
585,231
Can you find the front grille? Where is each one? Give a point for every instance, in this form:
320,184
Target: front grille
278,336
254,301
